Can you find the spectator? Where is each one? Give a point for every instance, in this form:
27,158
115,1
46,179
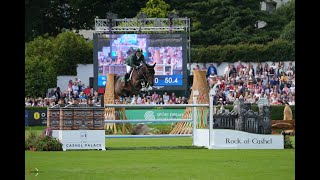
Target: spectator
204,66
233,71
57,94
239,66
251,70
160,101
82,96
173,98
211,69
265,68
166,97
226,72
154,96
259,69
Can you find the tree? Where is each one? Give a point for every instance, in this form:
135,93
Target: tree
125,8
220,22
55,16
70,49
156,9
47,17
47,57
288,32
33,18
39,76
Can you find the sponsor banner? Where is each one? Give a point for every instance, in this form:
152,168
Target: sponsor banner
233,139
37,117
81,139
153,114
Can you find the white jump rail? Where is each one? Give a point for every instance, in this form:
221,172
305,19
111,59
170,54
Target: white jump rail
156,106
142,120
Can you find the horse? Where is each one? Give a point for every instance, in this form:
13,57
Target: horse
144,74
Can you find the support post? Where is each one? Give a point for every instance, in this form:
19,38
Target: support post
210,118
194,116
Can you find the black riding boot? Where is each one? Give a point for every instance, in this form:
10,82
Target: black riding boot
125,79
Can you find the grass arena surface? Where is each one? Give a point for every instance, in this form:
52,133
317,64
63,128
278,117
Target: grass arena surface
160,159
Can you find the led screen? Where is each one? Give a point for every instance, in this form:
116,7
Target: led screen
167,50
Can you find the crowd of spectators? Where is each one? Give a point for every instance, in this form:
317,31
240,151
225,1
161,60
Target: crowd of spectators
154,98
76,91
275,83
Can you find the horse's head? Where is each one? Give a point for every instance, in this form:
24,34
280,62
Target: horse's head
148,73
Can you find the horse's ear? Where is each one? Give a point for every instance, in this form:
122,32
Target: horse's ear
154,65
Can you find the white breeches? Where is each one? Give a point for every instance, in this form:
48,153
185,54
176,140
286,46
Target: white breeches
128,68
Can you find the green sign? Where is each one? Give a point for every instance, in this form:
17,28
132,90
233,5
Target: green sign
153,114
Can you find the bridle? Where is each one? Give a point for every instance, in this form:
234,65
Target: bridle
144,76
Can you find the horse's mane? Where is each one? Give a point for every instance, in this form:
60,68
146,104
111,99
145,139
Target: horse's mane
150,67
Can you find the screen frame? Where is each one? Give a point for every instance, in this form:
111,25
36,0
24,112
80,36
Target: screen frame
99,39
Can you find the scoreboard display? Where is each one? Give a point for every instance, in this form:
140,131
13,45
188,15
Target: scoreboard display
167,50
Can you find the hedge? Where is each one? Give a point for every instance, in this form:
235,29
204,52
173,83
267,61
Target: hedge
276,110
275,51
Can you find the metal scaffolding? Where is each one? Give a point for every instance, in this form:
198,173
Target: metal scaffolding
143,25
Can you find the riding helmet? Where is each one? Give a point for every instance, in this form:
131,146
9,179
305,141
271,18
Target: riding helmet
139,50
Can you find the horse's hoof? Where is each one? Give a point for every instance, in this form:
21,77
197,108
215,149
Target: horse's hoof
149,88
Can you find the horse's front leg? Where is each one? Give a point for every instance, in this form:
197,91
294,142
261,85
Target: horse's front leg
137,85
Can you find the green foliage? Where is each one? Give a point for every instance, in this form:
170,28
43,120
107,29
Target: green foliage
277,50
39,76
156,9
288,142
286,12
48,143
219,22
56,16
288,32
34,18
31,140
71,49
124,8
47,57
39,142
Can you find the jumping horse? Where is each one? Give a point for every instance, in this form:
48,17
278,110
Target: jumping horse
143,75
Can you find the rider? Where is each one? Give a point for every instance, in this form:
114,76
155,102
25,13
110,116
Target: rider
133,61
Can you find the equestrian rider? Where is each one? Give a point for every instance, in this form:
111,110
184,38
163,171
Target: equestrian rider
133,61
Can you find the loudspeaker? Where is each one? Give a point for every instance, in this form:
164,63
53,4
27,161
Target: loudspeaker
91,82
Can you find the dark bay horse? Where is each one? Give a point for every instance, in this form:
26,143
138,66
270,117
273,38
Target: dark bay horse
144,74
